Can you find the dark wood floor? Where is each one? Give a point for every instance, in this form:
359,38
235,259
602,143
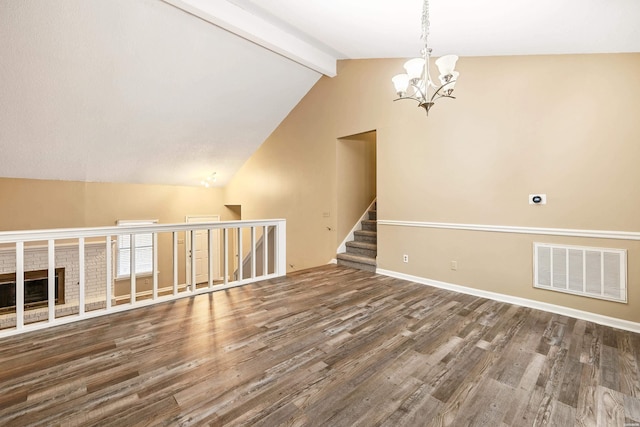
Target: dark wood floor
325,347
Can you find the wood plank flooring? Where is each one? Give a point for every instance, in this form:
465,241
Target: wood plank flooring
330,346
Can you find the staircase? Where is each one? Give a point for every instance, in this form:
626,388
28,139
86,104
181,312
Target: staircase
362,251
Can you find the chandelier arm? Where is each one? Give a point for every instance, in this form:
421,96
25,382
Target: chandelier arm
433,97
418,90
413,98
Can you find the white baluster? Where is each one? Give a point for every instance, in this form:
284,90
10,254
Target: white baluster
109,266
19,285
253,252
132,269
210,255
225,255
81,274
175,263
51,286
155,266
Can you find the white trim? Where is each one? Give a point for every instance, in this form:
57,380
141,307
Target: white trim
207,218
598,234
138,276
32,248
74,233
133,274
524,302
357,227
127,222
125,297
333,261
243,23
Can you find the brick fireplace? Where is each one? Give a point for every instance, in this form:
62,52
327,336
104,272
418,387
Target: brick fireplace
36,289
66,259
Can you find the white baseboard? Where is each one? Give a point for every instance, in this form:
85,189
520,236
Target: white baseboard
524,302
148,293
333,261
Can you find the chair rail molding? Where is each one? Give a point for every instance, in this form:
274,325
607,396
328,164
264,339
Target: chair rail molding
571,232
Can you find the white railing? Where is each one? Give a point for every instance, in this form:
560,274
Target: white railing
207,262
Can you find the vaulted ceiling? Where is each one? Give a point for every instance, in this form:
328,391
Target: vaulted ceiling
169,91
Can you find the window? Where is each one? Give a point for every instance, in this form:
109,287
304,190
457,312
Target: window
143,247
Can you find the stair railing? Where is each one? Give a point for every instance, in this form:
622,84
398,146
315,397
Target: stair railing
92,284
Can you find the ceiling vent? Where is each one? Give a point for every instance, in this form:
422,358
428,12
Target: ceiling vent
590,272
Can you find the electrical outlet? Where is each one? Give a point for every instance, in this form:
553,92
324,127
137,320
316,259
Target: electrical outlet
454,265
405,258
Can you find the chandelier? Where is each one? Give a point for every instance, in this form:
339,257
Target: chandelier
417,83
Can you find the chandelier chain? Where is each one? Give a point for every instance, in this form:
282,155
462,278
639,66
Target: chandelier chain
425,23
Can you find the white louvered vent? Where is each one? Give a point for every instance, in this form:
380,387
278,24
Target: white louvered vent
591,272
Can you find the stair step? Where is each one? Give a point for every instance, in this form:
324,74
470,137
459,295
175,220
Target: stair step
357,261
373,214
365,236
367,249
363,245
357,258
369,224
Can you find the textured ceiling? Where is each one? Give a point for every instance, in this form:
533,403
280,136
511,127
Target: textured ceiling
391,28
133,91
151,91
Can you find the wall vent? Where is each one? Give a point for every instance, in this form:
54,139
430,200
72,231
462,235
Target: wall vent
590,272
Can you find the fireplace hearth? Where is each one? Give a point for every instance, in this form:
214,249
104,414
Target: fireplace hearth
36,289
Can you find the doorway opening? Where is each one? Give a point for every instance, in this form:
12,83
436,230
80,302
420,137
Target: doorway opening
201,250
356,162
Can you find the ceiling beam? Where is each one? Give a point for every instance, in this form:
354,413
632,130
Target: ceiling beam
243,23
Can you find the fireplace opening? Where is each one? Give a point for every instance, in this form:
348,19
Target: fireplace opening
36,289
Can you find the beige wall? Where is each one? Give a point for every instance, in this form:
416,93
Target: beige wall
29,204
38,204
356,179
514,130
498,262
536,124
293,174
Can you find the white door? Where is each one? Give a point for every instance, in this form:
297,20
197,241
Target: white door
201,254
